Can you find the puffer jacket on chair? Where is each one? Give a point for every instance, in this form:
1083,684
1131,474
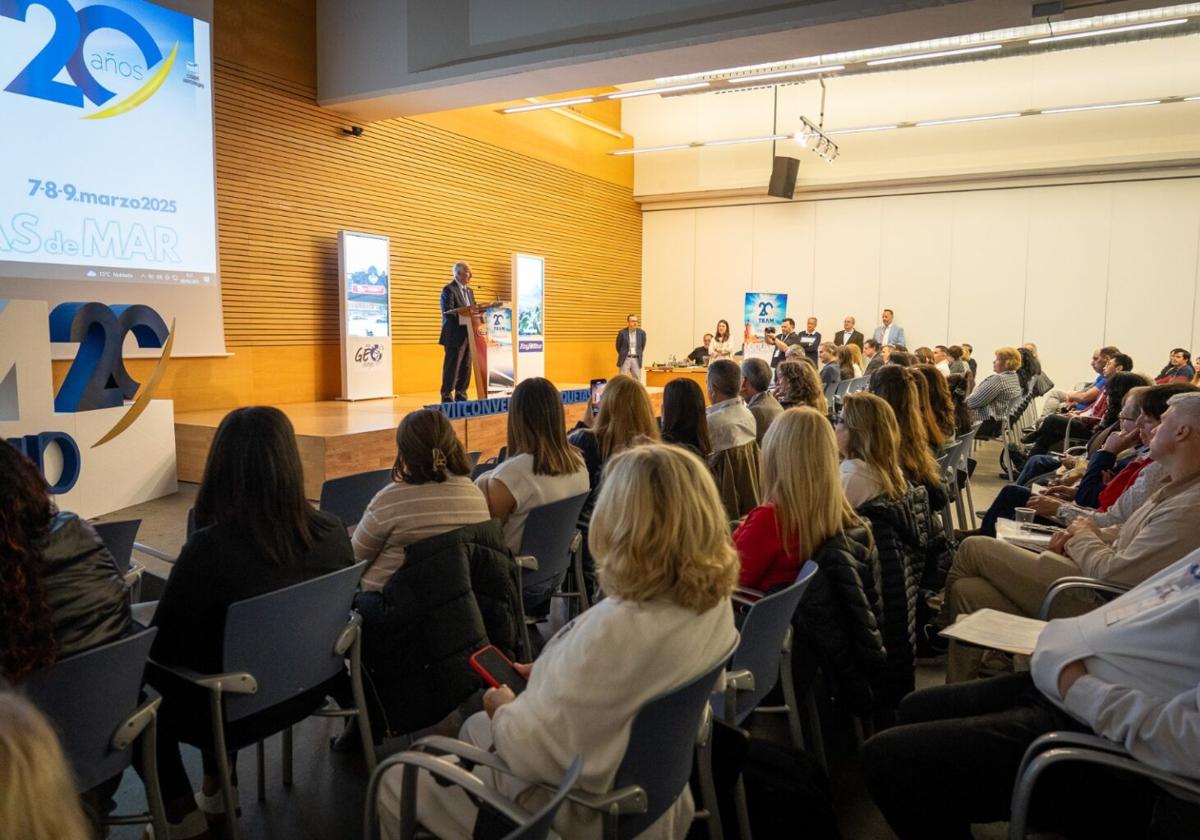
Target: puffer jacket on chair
456,593
898,539
838,623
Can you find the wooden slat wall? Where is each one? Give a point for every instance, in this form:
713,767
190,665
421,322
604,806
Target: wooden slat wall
288,180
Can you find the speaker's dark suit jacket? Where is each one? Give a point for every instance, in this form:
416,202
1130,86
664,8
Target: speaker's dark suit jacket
855,338
454,296
623,346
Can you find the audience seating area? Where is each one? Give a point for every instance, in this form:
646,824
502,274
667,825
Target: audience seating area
556,551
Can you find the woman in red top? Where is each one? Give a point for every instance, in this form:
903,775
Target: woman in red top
804,506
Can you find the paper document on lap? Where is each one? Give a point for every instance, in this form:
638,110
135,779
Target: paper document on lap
1010,532
994,629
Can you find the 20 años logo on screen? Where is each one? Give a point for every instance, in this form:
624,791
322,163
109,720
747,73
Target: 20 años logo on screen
64,51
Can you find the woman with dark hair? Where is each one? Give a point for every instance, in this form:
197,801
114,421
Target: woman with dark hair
60,590
541,467
924,355
941,405
933,426
1029,370
722,343
684,422
431,493
897,386
255,533
959,386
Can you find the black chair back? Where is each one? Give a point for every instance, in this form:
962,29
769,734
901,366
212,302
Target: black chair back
119,538
347,497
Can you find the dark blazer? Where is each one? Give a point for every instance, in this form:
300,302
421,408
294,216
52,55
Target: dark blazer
855,338
623,345
873,364
454,297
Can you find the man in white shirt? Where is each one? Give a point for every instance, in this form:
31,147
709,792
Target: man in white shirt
730,423
889,332
631,348
941,359
1128,671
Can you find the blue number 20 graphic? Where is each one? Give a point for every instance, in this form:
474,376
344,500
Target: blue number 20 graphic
65,49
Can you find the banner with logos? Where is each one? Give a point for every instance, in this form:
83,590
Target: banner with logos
764,309
529,286
364,307
499,350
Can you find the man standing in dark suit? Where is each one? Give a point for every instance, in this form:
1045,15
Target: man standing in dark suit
848,335
456,367
631,348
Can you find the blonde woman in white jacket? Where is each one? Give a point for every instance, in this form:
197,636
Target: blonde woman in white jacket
664,557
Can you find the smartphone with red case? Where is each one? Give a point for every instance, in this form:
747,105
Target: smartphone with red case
496,669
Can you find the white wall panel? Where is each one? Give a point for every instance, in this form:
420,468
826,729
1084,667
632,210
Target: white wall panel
724,264
1152,249
846,264
987,270
668,282
783,253
915,256
1067,275
1069,267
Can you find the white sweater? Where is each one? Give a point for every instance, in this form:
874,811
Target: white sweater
586,688
1142,653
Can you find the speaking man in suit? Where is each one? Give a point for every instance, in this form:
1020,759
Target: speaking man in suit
889,332
848,335
456,367
631,348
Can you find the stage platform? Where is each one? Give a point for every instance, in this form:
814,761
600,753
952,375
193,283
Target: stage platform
339,438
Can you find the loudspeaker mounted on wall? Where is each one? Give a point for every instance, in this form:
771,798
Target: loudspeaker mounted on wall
783,176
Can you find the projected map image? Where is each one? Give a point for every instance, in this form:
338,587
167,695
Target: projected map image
108,151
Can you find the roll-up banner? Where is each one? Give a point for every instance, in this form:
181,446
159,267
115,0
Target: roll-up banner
364,309
500,349
763,309
529,277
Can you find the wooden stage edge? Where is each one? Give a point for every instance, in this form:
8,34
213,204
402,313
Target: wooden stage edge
339,438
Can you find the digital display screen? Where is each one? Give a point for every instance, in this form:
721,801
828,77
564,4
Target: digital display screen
108,143
365,261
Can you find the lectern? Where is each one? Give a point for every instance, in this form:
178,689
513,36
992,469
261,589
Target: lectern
471,317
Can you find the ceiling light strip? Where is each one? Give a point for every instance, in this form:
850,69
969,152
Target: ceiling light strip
1114,30
767,138
931,55
543,106
1104,107
629,94
784,74
980,118
804,136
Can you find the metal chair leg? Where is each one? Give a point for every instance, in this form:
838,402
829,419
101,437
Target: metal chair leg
708,787
218,724
287,756
261,761
154,800
360,703
743,810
